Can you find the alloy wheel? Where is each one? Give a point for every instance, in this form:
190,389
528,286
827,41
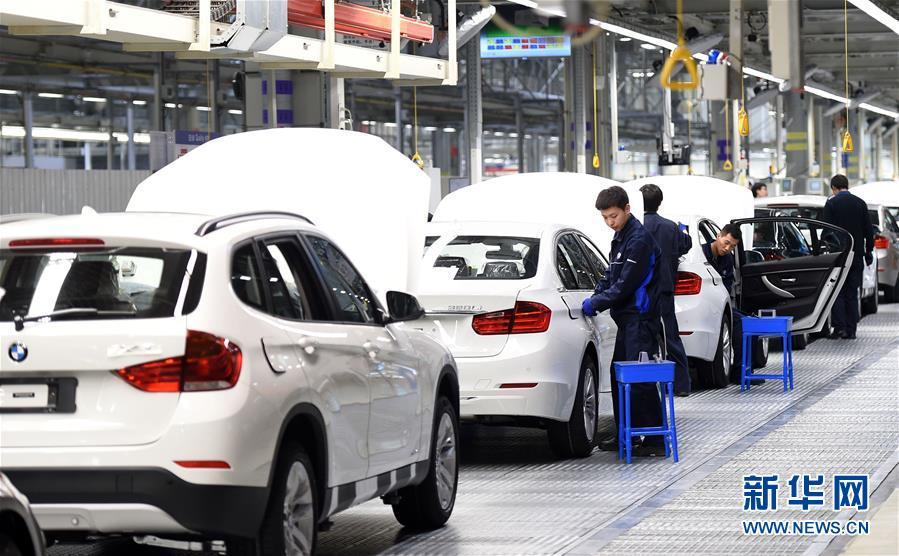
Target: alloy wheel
446,460
299,515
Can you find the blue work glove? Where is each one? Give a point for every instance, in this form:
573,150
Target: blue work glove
587,307
683,228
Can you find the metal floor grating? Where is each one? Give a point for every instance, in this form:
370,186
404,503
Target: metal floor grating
515,498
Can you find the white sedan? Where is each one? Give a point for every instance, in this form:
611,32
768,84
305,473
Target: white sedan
506,299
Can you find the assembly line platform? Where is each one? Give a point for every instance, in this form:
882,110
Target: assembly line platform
515,498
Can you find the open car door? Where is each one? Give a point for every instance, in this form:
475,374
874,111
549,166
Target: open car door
795,266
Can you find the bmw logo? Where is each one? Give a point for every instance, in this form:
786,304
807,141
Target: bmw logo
18,352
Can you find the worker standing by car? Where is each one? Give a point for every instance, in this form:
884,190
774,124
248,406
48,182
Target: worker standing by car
630,290
850,213
673,243
720,254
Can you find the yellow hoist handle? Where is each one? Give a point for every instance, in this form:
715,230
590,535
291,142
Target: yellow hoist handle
743,122
596,160
682,55
417,159
847,142
728,165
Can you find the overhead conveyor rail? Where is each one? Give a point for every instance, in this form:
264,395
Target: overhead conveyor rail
196,36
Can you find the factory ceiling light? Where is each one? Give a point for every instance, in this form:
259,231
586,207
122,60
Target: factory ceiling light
877,13
882,111
93,99
138,102
7,92
49,95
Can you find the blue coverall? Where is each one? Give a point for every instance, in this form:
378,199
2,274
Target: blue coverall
630,290
673,243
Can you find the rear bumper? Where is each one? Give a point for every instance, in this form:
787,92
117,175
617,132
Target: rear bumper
138,500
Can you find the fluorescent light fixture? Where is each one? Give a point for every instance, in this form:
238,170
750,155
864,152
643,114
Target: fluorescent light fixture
625,39
877,13
526,3
204,109
389,124
762,75
408,126
449,129
623,31
513,135
878,110
93,99
649,46
499,133
7,92
528,136
235,112
363,122
170,105
49,95
138,102
430,128
72,134
826,94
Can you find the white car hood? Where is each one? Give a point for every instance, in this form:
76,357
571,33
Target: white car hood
366,195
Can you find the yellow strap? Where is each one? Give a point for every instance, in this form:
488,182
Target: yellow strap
728,165
682,55
416,158
847,136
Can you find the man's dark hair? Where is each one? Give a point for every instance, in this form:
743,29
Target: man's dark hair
614,196
756,187
733,231
839,181
652,197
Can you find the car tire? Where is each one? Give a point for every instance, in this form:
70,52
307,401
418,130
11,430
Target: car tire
429,505
760,349
800,341
870,304
717,372
576,438
293,491
8,546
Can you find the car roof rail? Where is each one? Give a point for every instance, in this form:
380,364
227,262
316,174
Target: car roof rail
221,221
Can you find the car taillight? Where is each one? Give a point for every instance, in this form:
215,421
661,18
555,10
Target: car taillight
687,283
527,317
881,242
208,363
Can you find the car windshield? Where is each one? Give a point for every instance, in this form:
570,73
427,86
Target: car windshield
488,258
815,213
894,211
123,282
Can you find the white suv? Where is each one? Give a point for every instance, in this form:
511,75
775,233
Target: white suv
231,379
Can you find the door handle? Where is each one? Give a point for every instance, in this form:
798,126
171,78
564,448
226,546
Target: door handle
307,344
775,290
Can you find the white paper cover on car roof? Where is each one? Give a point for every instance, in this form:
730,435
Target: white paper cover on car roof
541,197
878,193
719,200
366,195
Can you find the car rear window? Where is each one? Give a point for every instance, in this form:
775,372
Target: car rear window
490,258
814,213
120,282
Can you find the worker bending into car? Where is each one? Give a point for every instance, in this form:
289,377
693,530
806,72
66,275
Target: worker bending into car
720,254
673,243
630,290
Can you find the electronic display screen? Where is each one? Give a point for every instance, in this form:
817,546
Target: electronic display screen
532,43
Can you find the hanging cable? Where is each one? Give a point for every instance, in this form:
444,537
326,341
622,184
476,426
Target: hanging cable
847,136
209,93
690,138
416,158
595,115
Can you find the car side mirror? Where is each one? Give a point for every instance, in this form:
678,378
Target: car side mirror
403,307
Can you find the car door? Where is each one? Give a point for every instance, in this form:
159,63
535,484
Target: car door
317,357
605,326
577,275
777,269
393,366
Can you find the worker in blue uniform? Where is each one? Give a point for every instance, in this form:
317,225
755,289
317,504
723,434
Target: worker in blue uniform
673,243
630,289
850,213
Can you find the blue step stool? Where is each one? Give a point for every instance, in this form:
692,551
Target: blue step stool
767,326
634,372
